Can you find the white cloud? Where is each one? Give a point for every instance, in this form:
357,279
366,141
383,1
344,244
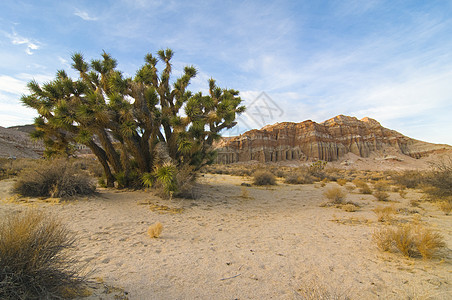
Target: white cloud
84,15
19,40
12,85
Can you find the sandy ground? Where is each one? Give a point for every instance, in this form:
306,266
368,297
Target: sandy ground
236,242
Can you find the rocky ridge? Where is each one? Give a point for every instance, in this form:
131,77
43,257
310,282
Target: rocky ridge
16,142
328,141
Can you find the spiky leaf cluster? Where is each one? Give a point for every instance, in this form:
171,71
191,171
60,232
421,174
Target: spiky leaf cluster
122,119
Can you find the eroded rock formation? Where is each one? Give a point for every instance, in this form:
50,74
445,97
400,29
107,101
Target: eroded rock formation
318,141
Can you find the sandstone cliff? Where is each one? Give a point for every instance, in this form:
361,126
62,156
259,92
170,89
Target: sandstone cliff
327,141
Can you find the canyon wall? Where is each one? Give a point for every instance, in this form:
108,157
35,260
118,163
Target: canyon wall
326,141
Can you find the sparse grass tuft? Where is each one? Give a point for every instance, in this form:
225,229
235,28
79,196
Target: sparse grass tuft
385,213
336,195
34,260
350,207
410,240
155,230
263,177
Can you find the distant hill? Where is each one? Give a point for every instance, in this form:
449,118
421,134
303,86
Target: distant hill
16,142
329,141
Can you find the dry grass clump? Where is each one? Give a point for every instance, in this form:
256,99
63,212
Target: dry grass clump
55,179
341,181
350,207
299,176
381,195
362,186
315,289
155,230
445,205
34,258
11,168
385,213
264,177
336,195
410,240
409,178
382,185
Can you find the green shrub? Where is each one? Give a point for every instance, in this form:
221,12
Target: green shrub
263,177
34,258
58,178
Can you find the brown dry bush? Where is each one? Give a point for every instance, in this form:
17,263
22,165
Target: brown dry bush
382,185
446,205
409,178
336,195
264,177
363,187
35,261
11,168
410,240
440,179
299,176
381,195
341,181
56,179
350,207
385,213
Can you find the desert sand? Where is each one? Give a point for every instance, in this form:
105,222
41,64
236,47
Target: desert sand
236,242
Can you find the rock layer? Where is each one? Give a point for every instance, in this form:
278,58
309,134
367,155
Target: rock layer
326,141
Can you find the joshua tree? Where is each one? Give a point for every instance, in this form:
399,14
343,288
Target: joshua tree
124,120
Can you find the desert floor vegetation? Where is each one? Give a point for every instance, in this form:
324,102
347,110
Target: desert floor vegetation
35,258
237,240
264,177
56,179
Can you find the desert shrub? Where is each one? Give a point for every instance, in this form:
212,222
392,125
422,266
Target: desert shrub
34,258
341,181
299,176
58,178
440,179
409,178
316,169
410,240
335,195
350,207
381,195
445,205
11,168
362,186
382,185
385,213
263,177
168,181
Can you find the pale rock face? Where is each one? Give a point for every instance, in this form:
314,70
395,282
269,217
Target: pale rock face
326,141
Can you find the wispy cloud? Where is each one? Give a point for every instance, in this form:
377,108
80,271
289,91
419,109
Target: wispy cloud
84,15
31,45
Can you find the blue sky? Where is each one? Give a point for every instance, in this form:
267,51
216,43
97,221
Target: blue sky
387,60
